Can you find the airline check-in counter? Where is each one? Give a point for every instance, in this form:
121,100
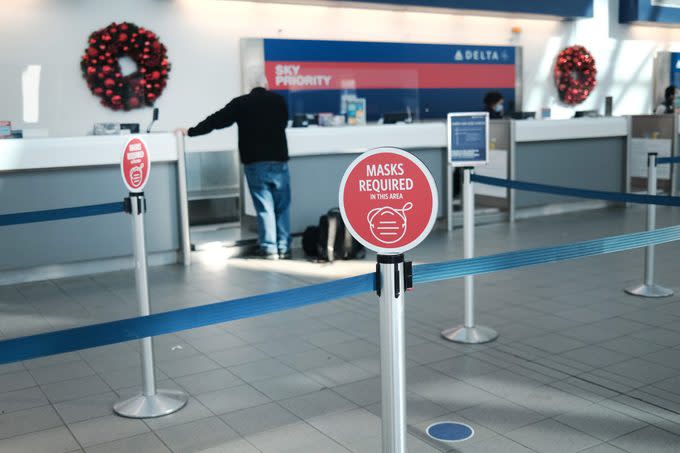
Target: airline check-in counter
52,173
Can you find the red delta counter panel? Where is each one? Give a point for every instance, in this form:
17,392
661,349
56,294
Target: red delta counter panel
429,80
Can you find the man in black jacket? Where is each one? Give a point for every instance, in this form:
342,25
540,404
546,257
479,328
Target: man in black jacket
262,117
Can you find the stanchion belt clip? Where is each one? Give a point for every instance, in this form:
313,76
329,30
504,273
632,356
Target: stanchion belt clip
408,273
141,203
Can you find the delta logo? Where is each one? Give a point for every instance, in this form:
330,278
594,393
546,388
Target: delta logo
481,55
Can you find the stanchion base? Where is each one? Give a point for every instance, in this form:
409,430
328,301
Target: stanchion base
470,335
649,291
164,402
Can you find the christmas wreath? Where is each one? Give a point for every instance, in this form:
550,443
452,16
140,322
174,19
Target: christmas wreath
575,74
102,71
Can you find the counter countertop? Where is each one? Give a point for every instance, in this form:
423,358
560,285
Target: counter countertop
25,154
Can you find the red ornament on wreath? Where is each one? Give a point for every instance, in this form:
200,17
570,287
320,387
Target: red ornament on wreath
575,74
101,57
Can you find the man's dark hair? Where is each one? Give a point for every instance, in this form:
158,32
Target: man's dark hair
492,98
669,93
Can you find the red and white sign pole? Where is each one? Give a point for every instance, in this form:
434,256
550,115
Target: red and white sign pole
388,200
135,167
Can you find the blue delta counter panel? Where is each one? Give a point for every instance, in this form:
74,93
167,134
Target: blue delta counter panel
675,69
649,11
429,80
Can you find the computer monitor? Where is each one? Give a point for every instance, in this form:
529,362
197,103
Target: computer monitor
395,117
522,115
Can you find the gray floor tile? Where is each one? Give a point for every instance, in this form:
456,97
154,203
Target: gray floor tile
603,448
288,386
61,372
317,404
192,411
186,366
22,399
291,438
259,419
75,388
237,356
201,435
232,399
311,359
642,371
502,416
261,370
339,374
93,406
649,439
430,352
28,421
554,437
208,381
106,429
16,381
418,409
601,422
57,440
554,343
346,426
145,443
596,356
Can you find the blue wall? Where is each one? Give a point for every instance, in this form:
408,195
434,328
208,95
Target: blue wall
642,11
562,8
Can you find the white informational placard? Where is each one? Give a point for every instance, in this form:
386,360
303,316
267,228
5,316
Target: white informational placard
468,138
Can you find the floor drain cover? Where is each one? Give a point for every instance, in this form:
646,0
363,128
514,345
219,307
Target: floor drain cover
450,431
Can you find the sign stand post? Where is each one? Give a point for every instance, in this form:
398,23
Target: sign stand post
135,167
388,201
649,288
469,332
393,277
468,146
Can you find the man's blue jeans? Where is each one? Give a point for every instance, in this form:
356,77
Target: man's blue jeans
269,185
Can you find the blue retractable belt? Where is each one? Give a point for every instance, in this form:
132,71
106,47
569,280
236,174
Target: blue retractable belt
668,160
60,214
50,343
581,193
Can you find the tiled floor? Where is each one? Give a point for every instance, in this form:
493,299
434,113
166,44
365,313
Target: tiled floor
579,365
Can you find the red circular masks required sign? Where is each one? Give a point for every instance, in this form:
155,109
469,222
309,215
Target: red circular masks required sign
135,165
388,200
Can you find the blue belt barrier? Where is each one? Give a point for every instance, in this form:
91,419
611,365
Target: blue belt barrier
78,338
668,160
60,214
663,200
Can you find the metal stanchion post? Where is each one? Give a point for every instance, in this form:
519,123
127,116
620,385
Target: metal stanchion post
469,332
649,288
183,200
393,277
151,402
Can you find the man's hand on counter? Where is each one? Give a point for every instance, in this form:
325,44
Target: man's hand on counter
182,130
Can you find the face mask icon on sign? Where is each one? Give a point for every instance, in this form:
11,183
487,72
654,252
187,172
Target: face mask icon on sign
388,224
136,175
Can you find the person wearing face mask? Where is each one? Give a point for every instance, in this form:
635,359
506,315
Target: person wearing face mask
493,103
668,104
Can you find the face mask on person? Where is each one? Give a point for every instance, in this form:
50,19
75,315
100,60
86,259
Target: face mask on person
498,108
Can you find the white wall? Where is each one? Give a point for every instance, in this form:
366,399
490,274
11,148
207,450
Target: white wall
203,41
